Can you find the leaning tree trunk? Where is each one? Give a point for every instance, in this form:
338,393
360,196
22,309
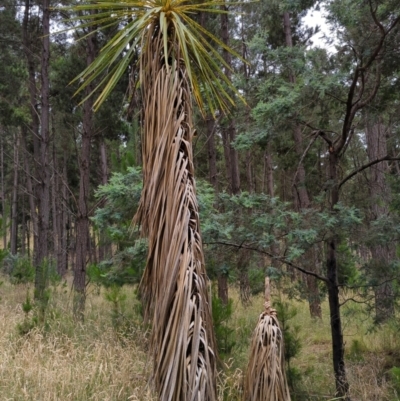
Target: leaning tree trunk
174,286
382,254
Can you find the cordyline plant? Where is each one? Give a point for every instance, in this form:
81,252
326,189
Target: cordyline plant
265,377
177,62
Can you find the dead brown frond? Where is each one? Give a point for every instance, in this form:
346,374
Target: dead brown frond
174,286
265,377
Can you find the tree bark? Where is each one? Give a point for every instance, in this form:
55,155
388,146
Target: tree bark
342,386
212,153
104,244
14,205
229,132
82,218
301,196
30,190
3,195
42,165
62,255
34,128
55,207
269,173
222,277
380,194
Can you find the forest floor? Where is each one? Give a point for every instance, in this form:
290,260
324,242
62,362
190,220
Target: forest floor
105,357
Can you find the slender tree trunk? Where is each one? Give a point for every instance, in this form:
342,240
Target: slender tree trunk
14,205
104,245
229,133
42,167
342,386
34,127
82,218
3,195
23,228
301,196
269,171
249,172
222,277
31,196
55,207
212,153
103,162
382,254
62,254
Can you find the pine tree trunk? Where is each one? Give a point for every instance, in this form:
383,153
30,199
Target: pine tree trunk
31,197
380,194
302,199
82,218
269,171
3,195
104,244
212,153
62,256
229,133
14,205
34,129
42,166
55,208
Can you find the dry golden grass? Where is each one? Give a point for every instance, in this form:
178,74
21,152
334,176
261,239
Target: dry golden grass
94,361
68,361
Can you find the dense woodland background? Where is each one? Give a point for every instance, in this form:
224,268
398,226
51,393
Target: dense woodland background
301,183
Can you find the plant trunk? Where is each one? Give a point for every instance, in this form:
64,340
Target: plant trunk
62,254
212,153
302,199
14,204
42,165
229,133
342,386
380,195
82,219
23,229
269,171
30,190
174,285
55,208
104,245
34,129
3,195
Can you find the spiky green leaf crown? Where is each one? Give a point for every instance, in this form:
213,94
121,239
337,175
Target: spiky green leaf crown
197,46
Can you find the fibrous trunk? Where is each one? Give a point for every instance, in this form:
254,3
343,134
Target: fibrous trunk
174,286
